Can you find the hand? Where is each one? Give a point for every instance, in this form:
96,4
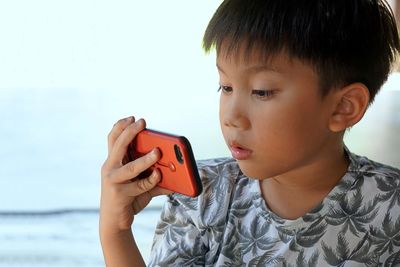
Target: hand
122,194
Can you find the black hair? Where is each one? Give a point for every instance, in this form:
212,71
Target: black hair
345,41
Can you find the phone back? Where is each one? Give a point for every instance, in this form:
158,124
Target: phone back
177,165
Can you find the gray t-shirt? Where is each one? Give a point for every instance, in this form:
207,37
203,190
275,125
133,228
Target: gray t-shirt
229,224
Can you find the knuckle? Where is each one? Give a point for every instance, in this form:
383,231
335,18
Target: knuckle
151,157
137,126
127,133
131,128
131,167
115,191
144,185
104,169
106,179
115,126
107,174
110,135
121,124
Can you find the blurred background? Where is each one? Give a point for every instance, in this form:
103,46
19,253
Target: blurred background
69,71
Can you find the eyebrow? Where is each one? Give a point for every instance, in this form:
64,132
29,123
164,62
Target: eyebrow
256,69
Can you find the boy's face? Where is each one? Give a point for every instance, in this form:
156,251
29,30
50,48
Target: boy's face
272,115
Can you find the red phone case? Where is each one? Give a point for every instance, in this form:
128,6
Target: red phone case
177,165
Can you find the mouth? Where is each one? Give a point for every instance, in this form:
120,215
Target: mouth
239,152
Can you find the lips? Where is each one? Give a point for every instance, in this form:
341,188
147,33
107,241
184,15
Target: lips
239,152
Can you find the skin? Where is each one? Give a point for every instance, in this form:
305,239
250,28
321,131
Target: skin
294,134
123,196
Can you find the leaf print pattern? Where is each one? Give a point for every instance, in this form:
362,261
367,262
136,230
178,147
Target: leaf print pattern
346,185
191,255
390,191
352,214
259,203
312,262
171,227
229,224
387,236
314,214
342,253
267,259
302,262
239,209
231,250
254,239
303,238
393,260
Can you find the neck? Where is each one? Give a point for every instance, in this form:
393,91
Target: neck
293,194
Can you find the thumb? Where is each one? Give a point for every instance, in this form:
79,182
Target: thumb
143,185
158,191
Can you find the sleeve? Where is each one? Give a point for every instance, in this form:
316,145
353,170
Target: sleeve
177,240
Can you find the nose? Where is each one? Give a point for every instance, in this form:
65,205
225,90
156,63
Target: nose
234,113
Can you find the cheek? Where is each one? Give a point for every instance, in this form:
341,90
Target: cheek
288,129
221,117
221,112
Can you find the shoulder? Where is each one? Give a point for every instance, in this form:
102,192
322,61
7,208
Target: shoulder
376,195
375,185
366,165
366,168
218,177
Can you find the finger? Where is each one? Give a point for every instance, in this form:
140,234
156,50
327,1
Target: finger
132,169
124,139
158,191
117,129
141,186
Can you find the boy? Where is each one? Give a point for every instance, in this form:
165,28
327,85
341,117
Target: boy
294,75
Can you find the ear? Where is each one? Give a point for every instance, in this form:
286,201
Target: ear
350,104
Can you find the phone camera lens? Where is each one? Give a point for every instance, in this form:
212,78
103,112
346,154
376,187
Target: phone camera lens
178,154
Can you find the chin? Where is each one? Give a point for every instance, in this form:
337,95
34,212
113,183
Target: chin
251,171
254,171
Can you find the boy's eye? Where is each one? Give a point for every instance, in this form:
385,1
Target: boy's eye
263,93
225,89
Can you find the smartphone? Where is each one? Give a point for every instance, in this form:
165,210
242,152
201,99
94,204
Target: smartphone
177,164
